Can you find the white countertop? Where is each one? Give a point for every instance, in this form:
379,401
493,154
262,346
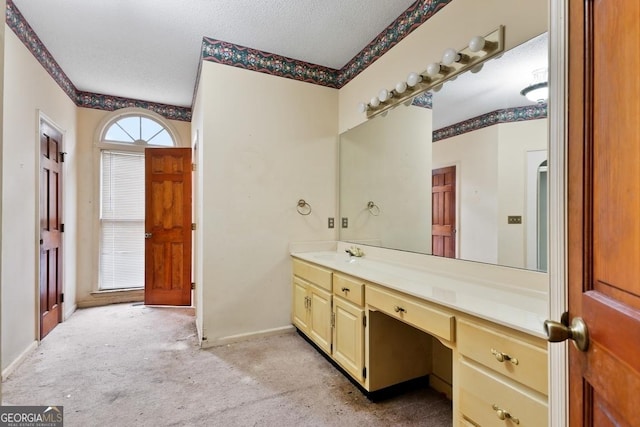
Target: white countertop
509,305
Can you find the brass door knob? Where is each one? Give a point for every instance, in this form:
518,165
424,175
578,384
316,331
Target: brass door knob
561,331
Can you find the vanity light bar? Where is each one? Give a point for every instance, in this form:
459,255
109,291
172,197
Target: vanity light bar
453,62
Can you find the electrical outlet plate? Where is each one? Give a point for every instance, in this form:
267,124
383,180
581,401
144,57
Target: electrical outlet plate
345,222
331,223
514,219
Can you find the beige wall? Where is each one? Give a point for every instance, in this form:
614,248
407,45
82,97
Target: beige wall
90,123
266,142
28,90
453,26
516,139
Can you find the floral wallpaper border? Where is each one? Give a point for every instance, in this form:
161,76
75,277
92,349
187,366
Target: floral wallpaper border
508,115
30,39
256,60
264,62
238,56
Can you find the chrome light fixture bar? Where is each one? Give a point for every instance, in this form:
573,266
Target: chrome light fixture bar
454,62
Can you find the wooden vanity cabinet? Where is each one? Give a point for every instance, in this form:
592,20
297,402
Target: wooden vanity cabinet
349,325
502,375
312,303
382,337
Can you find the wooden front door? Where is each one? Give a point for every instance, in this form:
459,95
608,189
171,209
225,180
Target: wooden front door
167,226
50,228
443,217
604,210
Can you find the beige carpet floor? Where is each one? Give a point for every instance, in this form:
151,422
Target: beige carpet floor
131,365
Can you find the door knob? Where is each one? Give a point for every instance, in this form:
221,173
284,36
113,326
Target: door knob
148,235
561,331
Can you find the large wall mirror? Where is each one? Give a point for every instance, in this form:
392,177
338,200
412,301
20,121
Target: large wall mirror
460,174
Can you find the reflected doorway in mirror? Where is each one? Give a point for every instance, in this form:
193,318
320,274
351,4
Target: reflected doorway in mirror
443,217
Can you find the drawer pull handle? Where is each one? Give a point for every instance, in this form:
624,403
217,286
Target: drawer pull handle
504,415
346,290
501,357
399,309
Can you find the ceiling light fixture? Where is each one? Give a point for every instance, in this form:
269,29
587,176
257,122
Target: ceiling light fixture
538,91
454,62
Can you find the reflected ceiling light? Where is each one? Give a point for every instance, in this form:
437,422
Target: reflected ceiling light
538,92
454,62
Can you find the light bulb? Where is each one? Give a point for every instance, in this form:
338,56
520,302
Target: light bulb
384,114
433,69
450,56
476,44
374,102
384,95
362,107
408,102
413,79
401,87
477,68
437,88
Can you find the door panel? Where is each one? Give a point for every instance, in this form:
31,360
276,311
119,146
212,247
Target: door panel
50,229
348,337
168,226
604,210
320,322
443,216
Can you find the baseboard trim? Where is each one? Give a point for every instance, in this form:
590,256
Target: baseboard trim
96,299
440,385
71,310
18,361
208,343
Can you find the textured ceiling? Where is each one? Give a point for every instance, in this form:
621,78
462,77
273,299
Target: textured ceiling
150,49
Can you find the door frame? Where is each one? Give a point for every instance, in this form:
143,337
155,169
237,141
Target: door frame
558,130
42,117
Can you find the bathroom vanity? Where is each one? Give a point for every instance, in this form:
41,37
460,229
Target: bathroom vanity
480,341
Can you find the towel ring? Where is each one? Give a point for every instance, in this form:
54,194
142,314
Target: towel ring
373,209
303,207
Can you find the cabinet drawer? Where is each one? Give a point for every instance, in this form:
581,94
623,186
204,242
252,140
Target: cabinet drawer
504,353
312,273
412,311
484,394
349,288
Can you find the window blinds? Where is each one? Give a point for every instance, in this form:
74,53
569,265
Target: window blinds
121,220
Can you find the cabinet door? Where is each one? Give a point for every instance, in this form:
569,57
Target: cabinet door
300,312
320,318
348,337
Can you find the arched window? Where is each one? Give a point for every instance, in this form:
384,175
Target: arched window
138,129
121,145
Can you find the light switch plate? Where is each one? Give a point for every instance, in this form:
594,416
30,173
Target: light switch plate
345,222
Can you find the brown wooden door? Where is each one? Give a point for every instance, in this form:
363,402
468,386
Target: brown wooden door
50,228
443,217
604,210
168,226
